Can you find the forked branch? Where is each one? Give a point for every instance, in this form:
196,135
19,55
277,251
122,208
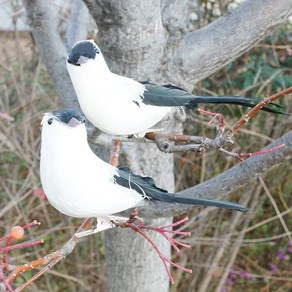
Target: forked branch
190,143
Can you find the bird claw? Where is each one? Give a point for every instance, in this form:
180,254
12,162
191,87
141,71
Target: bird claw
142,134
103,223
125,223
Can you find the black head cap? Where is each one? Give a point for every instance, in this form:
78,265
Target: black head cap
82,51
69,116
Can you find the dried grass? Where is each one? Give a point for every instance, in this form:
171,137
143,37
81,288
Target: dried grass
222,240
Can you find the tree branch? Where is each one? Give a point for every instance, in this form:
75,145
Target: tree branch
131,33
41,16
176,16
78,23
205,51
228,181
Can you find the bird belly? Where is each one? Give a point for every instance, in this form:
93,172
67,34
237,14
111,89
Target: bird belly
84,195
113,103
125,119
118,116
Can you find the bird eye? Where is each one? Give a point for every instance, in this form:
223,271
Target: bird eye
82,120
50,121
96,50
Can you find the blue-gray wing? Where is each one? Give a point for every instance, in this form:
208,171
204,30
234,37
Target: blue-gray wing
170,95
147,188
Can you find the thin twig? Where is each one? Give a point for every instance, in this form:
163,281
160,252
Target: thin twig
198,144
48,261
20,245
255,109
163,232
115,152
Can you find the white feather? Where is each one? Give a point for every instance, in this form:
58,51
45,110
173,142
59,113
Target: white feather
111,102
75,180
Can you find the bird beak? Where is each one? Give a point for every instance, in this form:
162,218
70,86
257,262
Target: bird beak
82,60
73,122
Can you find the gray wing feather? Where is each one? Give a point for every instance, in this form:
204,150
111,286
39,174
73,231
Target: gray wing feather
147,188
170,95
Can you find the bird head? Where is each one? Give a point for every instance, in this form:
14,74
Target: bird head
82,52
65,124
85,63
69,117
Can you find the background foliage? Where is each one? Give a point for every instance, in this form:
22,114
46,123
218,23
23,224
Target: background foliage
257,260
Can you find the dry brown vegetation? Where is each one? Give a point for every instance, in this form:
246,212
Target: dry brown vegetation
222,242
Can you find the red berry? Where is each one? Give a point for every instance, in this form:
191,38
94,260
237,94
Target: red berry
16,232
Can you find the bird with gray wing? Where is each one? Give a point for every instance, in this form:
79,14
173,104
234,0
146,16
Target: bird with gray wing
79,184
118,105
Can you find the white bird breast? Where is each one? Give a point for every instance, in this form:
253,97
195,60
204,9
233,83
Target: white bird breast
111,102
75,180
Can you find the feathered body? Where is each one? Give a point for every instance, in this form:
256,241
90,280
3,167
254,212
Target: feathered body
79,184
118,105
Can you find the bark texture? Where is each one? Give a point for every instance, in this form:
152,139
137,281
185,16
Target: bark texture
79,23
203,52
229,181
41,17
150,40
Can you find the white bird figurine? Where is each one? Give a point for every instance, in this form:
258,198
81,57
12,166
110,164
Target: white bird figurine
79,184
118,105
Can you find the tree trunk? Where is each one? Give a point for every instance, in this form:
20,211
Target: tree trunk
130,258
133,46
149,40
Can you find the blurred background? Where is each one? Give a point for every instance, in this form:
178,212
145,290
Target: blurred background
260,259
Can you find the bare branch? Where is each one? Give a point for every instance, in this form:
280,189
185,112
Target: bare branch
48,261
78,23
205,51
228,181
41,16
130,32
255,109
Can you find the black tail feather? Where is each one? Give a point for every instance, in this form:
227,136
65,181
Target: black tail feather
147,188
243,101
170,95
210,202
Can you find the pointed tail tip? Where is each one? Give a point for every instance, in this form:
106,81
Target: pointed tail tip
243,209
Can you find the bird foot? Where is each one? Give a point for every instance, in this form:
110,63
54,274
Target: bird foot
143,134
131,220
219,117
101,224
136,224
107,222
